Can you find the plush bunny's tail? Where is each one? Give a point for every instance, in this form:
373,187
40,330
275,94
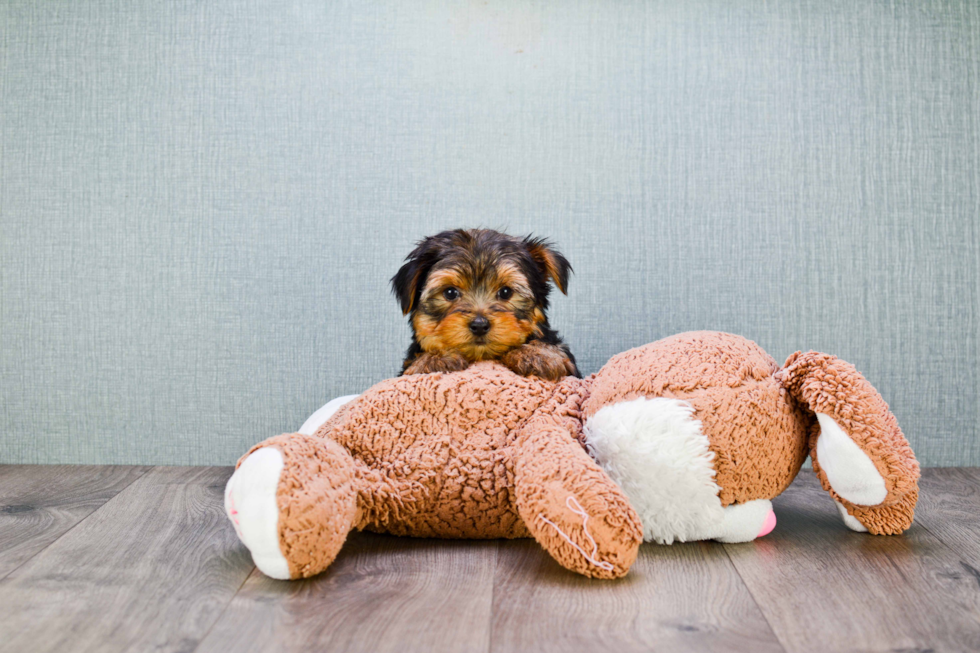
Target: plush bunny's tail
858,450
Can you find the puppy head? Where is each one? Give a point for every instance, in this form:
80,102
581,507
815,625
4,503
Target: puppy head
478,292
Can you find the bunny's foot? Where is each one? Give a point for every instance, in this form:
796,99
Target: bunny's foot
744,522
250,503
860,489
292,501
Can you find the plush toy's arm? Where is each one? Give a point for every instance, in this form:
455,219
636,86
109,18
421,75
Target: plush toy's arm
858,450
570,506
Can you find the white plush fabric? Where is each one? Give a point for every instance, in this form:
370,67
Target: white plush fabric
850,521
849,470
250,503
324,413
743,521
655,451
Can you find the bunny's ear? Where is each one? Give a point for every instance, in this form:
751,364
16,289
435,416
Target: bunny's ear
858,450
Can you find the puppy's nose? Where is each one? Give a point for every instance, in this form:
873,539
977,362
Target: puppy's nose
479,325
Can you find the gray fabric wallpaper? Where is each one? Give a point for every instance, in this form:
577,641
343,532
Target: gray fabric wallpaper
201,203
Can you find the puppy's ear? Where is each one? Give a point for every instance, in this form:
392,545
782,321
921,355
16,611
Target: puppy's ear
550,261
408,282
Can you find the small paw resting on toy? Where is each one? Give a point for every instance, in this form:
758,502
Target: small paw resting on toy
687,438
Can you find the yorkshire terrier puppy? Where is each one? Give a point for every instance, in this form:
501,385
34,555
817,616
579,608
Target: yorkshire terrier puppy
478,294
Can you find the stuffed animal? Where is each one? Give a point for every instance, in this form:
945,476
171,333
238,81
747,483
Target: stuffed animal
687,438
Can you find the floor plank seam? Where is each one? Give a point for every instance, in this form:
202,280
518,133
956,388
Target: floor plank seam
223,610
909,592
493,596
146,470
758,606
965,563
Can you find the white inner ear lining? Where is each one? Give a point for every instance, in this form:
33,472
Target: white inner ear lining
850,471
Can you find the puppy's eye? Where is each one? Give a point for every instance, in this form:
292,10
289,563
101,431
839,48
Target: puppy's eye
505,293
451,294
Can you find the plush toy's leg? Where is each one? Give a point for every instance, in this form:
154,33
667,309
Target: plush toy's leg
569,504
250,503
890,519
293,500
849,521
858,450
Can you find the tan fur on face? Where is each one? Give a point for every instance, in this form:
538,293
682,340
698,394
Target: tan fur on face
439,280
508,274
442,326
452,334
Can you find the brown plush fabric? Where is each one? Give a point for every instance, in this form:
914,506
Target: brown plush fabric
442,455
760,419
434,453
888,519
316,498
757,432
552,466
826,384
485,453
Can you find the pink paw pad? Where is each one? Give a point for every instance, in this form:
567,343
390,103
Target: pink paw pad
768,525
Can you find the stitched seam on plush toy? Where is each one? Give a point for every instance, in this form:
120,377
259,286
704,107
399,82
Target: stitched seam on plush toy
579,510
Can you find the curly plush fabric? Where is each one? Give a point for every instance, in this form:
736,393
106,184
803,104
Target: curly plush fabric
755,429
548,472
317,501
434,453
704,427
828,385
448,455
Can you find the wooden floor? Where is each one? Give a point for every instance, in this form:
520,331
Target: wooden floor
141,559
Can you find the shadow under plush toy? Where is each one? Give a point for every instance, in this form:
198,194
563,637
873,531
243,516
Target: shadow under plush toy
687,438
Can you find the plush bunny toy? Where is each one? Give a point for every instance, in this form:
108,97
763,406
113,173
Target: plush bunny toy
687,438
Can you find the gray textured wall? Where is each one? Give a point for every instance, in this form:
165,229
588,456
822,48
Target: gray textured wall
202,203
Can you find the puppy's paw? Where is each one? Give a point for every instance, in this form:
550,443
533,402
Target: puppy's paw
427,363
539,359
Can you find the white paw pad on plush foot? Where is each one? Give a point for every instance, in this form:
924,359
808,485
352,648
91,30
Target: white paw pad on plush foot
745,522
849,520
849,470
250,503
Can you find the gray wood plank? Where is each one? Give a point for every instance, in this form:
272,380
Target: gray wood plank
825,588
382,593
683,597
151,569
39,503
949,508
